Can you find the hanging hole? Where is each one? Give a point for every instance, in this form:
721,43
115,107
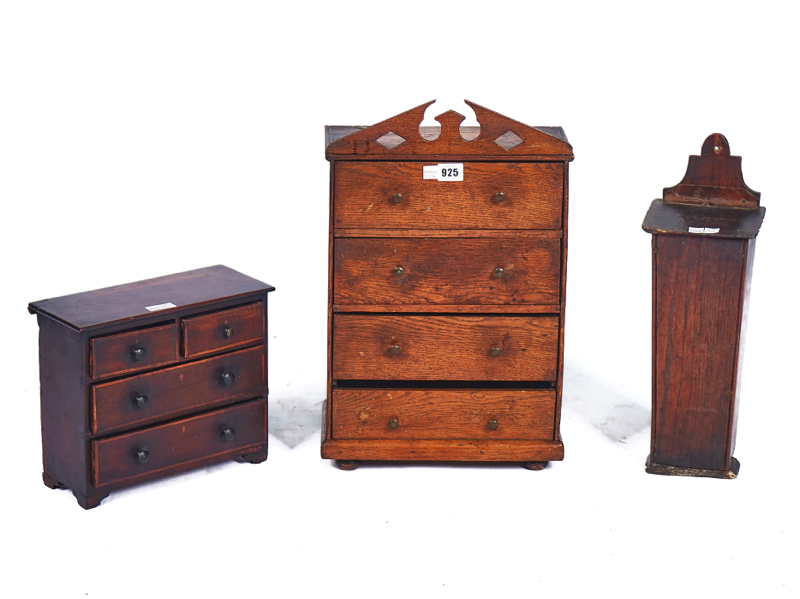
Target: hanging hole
390,140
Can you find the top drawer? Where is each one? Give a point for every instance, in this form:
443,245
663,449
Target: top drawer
493,195
224,329
134,350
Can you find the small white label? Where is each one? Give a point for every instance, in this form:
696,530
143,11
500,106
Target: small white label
703,230
451,171
158,307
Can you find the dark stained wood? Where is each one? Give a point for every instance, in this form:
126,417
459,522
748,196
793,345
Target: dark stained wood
73,399
348,465
104,307
443,413
700,287
115,354
223,330
446,271
364,191
448,235
177,390
445,348
547,142
179,443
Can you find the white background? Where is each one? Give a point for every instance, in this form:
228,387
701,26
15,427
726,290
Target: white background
141,139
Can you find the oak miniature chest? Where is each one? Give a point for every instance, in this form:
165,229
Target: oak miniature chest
447,273
152,378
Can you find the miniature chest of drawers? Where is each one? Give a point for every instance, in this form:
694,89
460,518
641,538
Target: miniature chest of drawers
447,271
152,378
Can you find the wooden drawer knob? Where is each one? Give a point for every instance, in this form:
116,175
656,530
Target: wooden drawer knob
228,332
394,350
394,424
228,433
142,455
499,272
227,378
140,401
397,198
398,271
495,352
138,354
492,425
499,197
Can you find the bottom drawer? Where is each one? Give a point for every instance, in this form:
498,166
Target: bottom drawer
443,414
132,455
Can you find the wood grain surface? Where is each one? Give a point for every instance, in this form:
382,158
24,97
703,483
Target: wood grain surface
447,271
445,347
443,413
364,190
113,354
206,333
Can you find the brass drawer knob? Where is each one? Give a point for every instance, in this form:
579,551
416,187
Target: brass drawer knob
138,354
228,433
495,352
397,198
492,425
228,332
227,378
142,455
499,272
394,349
394,424
398,271
499,197
140,401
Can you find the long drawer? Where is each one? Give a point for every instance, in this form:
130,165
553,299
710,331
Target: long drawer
393,195
228,431
447,271
443,414
490,348
171,391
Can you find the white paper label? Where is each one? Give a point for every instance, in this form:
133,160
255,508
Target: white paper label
158,307
451,171
703,230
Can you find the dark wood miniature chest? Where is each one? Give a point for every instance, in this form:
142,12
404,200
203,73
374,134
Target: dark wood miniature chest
152,378
704,232
447,273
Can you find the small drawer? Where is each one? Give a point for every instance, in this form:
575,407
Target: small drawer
134,350
493,195
447,271
456,348
172,391
224,329
485,414
237,430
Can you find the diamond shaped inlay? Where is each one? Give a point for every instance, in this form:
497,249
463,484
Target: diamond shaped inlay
508,140
390,140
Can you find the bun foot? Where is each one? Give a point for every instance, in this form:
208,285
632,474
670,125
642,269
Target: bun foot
253,458
348,464
52,483
535,465
90,502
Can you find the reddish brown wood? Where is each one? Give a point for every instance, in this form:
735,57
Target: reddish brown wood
701,278
480,414
447,348
174,391
448,235
72,400
223,330
446,271
115,354
364,192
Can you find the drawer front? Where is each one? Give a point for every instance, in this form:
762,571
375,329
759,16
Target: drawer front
134,350
168,392
149,451
224,329
447,271
532,196
490,348
443,414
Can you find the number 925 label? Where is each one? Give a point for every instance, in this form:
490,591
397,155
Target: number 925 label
452,171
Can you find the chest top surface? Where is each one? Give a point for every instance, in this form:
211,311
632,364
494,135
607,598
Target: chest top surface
402,138
111,305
